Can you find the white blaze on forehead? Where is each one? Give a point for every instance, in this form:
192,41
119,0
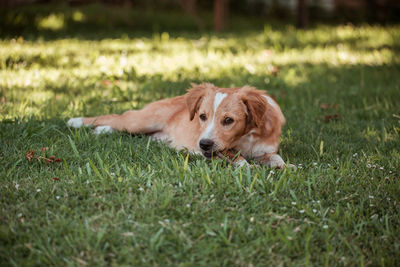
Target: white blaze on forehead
217,101
271,102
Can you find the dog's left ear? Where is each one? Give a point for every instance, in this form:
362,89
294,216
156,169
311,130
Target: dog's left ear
256,105
194,97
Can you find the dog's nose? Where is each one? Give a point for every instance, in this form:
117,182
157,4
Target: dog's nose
206,144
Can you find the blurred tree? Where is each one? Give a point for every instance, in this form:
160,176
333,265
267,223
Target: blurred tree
220,14
302,14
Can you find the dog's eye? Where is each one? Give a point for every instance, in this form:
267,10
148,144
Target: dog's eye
203,117
227,121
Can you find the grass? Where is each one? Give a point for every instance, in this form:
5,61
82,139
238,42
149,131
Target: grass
123,200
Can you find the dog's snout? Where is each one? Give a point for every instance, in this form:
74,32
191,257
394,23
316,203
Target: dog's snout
206,144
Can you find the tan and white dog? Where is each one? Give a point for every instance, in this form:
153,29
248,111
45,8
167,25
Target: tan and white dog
238,123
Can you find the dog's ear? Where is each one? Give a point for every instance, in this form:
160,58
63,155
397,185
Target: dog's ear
256,105
194,97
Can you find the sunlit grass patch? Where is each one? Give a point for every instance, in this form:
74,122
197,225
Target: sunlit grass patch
52,22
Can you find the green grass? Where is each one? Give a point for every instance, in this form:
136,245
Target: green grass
123,200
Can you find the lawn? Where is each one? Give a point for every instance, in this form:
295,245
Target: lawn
68,197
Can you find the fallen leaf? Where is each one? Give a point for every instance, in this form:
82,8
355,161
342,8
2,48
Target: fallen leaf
29,155
51,159
56,179
44,149
331,117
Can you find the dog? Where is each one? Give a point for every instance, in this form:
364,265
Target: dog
235,123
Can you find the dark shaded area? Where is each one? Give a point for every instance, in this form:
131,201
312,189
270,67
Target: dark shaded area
116,19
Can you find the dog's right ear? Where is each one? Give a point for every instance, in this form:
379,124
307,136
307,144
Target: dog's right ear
194,97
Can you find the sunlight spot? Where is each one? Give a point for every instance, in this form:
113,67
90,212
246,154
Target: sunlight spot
53,22
78,16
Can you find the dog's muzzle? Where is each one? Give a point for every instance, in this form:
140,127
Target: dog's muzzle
207,146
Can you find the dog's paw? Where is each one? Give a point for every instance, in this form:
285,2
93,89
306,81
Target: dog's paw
275,161
75,122
103,130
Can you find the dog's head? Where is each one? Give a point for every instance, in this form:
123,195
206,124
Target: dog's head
225,115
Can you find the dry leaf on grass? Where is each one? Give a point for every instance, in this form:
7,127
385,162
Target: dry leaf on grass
331,117
51,159
29,155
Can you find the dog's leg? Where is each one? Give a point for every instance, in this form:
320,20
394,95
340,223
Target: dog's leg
152,118
271,160
134,121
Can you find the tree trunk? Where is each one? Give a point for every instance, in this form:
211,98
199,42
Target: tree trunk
220,14
302,14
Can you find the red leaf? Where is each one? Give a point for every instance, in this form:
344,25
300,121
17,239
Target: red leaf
56,179
44,149
331,117
51,159
29,155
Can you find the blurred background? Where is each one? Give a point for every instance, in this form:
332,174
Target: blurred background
31,17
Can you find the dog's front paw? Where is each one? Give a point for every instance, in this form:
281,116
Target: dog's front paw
75,122
275,161
103,130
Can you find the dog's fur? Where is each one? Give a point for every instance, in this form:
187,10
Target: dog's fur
239,123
